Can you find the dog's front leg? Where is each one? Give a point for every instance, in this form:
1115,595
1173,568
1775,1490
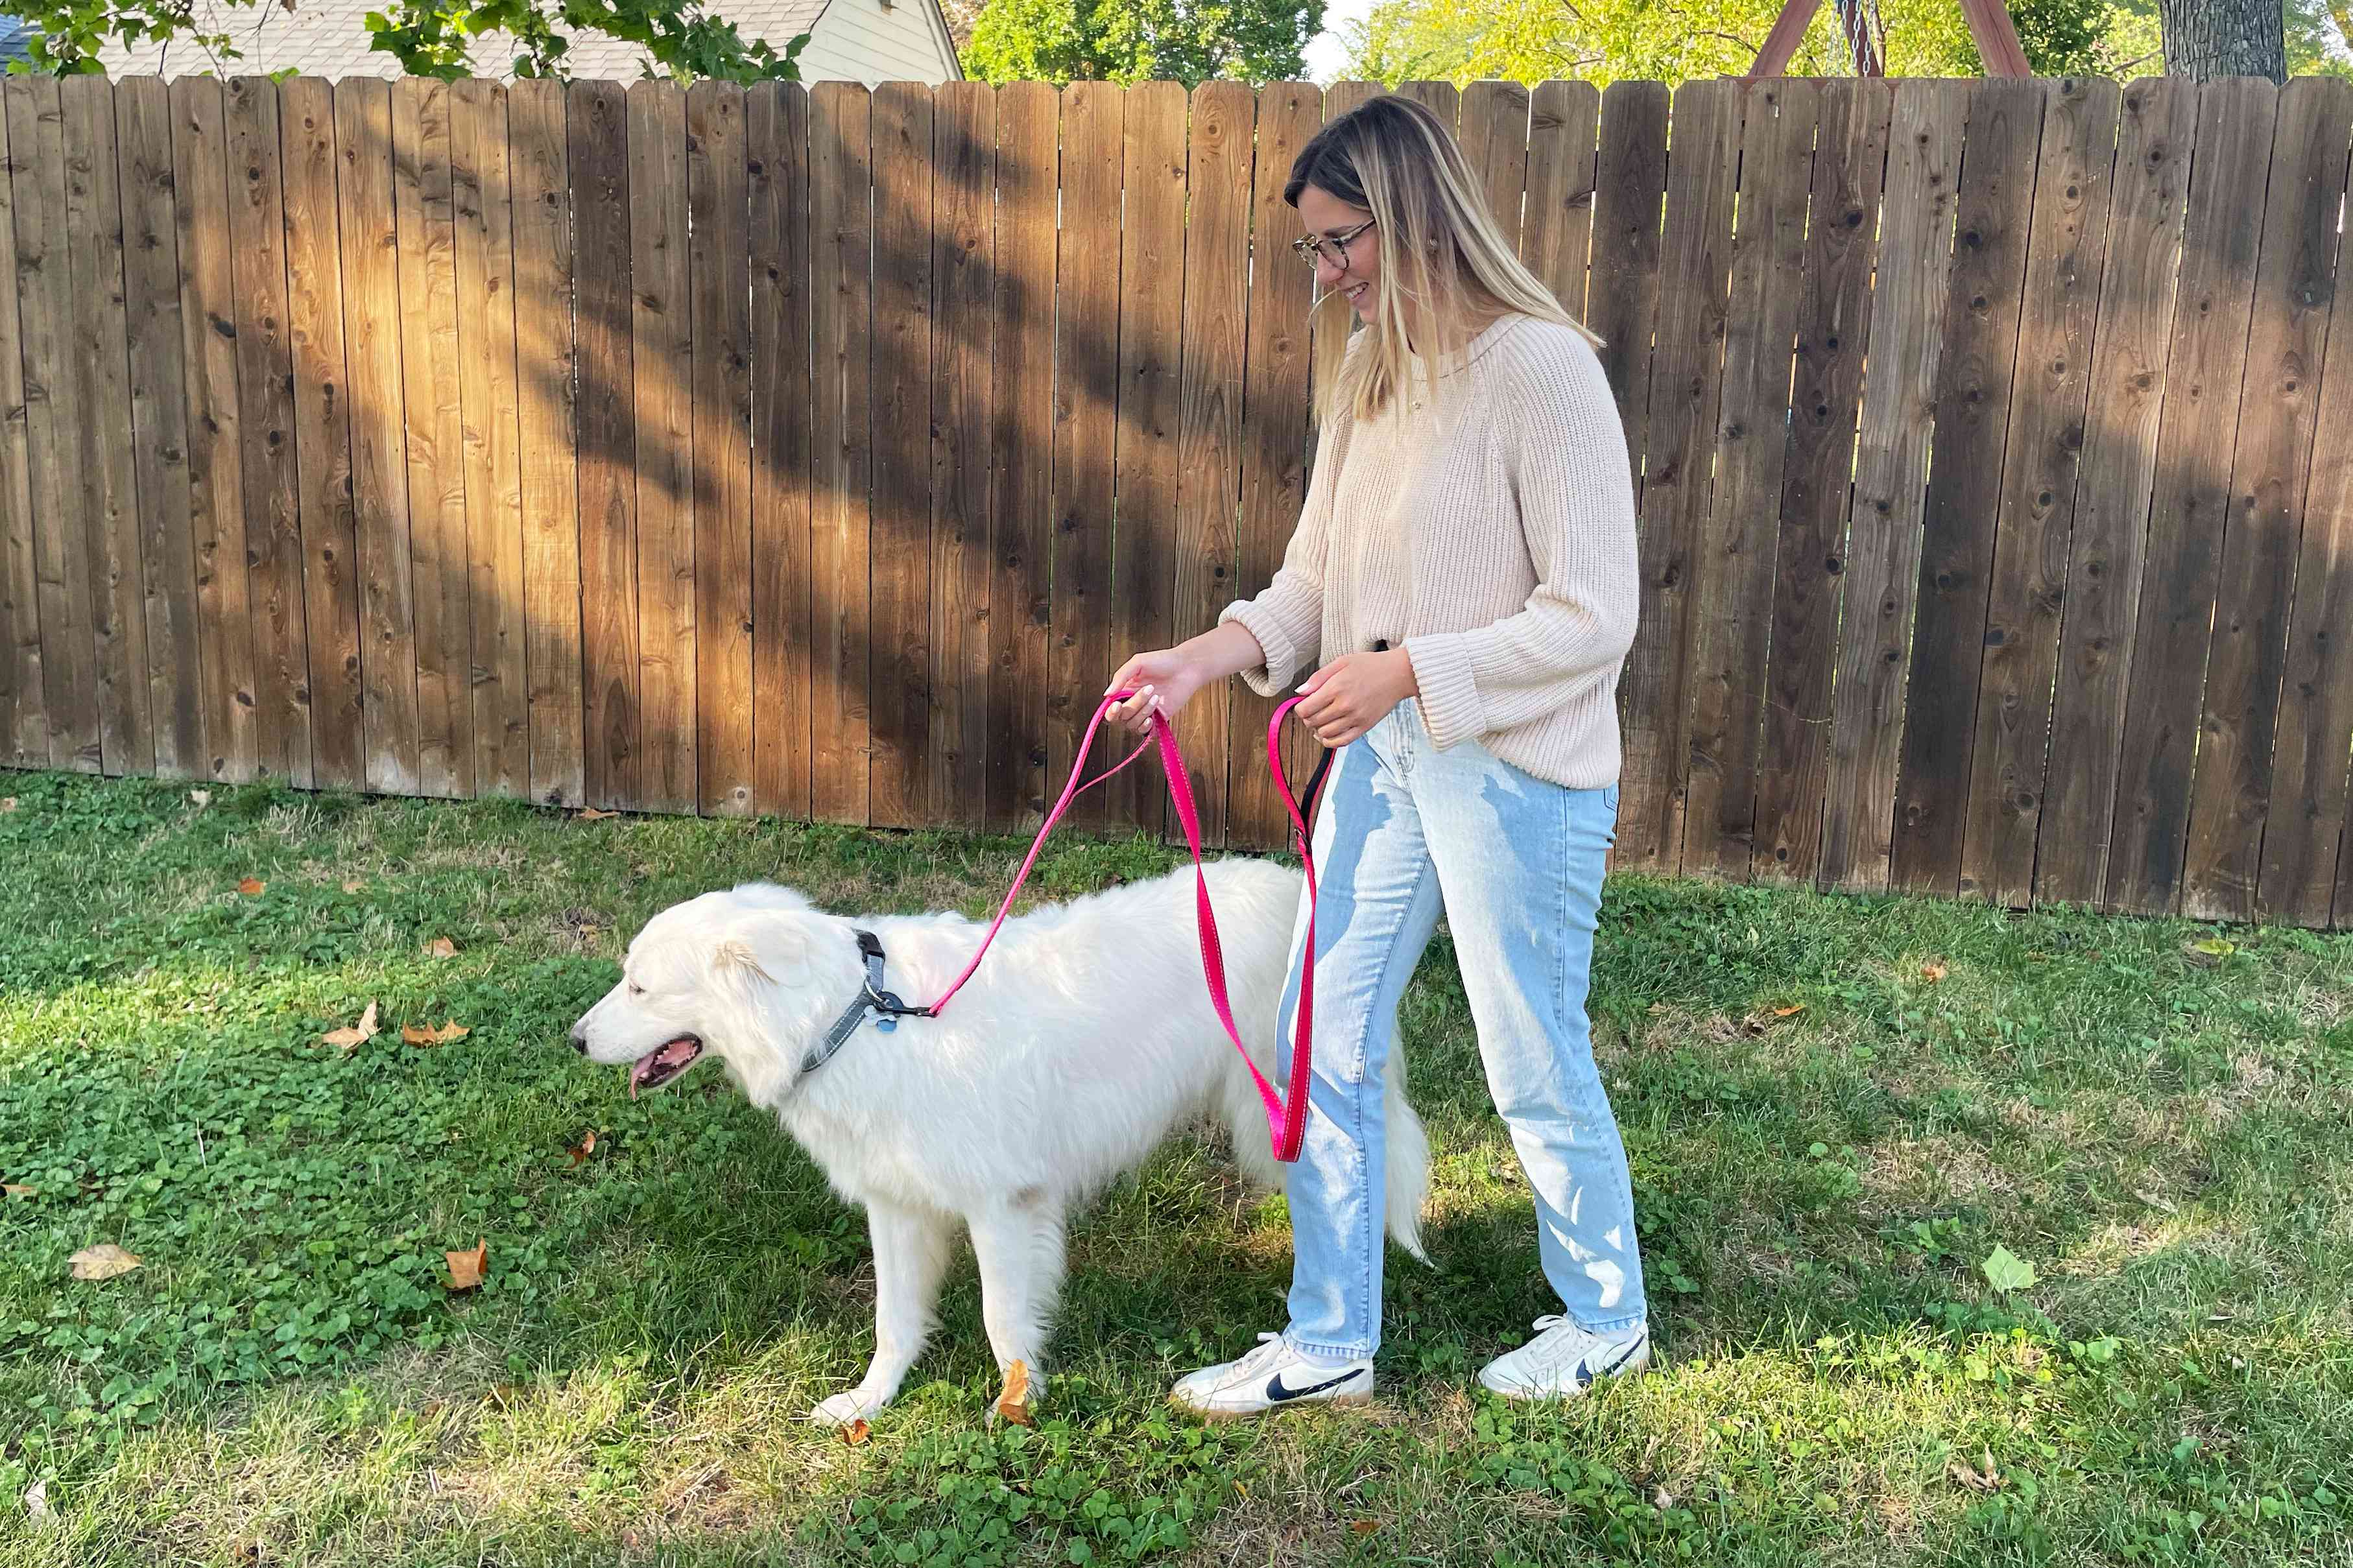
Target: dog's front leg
1020,1248
910,1256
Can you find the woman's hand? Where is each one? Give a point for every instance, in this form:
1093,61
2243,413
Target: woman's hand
1355,692
1165,680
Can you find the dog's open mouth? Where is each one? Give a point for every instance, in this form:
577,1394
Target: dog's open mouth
660,1066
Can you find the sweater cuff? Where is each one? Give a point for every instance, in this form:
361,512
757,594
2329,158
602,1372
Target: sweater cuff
1450,706
1284,658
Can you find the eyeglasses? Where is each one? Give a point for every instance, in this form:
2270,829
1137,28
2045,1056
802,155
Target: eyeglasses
1332,247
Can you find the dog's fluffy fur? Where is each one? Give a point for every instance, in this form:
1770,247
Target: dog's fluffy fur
1086,1039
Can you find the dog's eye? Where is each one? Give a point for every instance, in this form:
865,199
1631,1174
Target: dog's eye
636,989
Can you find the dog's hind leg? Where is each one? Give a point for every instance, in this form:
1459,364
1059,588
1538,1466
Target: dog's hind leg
910,1256
1020,1248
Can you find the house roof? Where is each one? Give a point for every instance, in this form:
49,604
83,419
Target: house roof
329,38
15,39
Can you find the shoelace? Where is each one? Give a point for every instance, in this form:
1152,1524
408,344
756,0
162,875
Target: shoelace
1546,1349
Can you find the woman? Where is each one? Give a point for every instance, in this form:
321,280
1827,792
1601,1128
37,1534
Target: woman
1462,584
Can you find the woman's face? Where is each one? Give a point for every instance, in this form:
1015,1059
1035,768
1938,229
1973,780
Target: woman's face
1329,218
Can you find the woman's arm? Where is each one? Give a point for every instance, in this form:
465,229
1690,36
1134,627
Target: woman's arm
1565,447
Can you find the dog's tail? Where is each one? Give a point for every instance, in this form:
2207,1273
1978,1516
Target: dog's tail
1404,1159
1407,1166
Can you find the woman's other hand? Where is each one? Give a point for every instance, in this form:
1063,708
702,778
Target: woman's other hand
1355,692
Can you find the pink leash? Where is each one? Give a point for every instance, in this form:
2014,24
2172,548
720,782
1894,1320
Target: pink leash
1286,1116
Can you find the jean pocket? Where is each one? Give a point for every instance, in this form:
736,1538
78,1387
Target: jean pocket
1609,798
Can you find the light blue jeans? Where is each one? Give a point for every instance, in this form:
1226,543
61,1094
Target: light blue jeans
1408,832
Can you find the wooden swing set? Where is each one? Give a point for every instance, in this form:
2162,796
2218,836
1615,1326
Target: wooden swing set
1866,36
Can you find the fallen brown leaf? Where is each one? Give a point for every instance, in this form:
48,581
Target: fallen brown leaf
9,803
590,814
440,947
466,1267
1933,970
1365,1526
252,887
19,1190
1986,1481
103,1261
354,885
427,1034
366,1029
1014,1402
582,1150
857,1432
1791,1010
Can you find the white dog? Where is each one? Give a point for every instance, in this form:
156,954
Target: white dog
1086,1039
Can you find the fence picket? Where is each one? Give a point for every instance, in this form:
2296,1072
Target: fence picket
964,288
540,179
720,268
2304,830
434,427
490,399
777,131
1686,374
156,340
224,641
1082,657
899,604
102,460
24,721
1021,452
605,427
1152,238
44,276
841,444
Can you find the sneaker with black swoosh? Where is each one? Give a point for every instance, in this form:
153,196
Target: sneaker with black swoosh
1272,1378
1565,1358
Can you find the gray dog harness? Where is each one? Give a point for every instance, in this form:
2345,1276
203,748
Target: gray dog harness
873,1001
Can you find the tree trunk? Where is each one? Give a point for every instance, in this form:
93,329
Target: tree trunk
2224,38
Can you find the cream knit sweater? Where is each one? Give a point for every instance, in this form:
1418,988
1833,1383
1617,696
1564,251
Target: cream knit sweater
1492,536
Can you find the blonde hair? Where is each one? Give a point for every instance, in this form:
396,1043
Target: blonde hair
1446,268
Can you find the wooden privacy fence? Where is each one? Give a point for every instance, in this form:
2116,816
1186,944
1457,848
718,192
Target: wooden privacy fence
820,452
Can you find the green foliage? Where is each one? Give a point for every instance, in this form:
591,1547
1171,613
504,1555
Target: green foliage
430,38
1682,40
1191,41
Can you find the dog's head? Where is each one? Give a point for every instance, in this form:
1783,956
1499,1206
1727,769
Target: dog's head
739,973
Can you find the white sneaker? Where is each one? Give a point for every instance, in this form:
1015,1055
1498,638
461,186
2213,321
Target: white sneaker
1564,1359
1269,1378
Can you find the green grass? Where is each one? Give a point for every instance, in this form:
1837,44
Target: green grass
2161,1132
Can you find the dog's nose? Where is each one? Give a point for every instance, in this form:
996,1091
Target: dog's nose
579,1042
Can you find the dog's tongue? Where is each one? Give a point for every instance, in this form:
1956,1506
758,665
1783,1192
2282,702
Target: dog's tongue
676,1053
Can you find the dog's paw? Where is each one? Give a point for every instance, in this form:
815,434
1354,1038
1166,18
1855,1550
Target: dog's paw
851,1405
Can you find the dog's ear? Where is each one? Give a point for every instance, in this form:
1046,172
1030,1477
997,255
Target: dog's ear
766,949
734,957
